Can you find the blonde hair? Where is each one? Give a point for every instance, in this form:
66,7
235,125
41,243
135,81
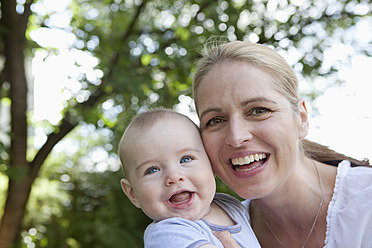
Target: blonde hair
285,82
146,120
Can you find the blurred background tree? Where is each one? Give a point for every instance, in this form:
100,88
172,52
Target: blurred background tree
126,56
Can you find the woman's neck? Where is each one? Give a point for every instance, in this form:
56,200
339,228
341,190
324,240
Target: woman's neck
289,211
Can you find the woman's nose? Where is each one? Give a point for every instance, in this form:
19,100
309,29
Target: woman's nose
238,132
173,177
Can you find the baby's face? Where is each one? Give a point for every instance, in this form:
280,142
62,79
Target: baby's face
169,171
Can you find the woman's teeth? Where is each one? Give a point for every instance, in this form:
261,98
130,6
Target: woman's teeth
248,159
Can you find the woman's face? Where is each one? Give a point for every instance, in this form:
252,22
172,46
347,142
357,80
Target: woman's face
249,130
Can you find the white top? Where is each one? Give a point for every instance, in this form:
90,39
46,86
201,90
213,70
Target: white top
349,217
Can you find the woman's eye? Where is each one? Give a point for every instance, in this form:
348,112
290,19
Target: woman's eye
186,159
151,170
260,111
214,121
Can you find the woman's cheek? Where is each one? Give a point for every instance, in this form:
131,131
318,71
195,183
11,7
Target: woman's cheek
211,144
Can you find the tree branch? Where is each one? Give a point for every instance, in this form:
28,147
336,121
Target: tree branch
134,20
115,57
26,14
53,138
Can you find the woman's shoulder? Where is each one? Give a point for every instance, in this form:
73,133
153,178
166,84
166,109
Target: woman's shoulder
352,188
353,178
350,213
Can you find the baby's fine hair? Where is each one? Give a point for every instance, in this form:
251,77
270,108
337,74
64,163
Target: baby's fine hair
150,117
145,120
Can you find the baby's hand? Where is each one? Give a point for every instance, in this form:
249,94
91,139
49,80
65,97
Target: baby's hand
226,239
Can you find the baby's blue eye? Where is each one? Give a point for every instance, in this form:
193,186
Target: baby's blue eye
152,170
185,160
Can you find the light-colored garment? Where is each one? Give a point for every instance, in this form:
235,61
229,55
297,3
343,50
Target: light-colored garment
349,217
178,232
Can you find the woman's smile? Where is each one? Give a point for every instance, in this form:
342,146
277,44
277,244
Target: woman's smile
246,160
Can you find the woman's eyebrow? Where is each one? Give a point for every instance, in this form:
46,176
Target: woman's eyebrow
210,110
257,99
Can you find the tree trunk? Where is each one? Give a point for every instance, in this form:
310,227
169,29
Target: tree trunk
23,173
19,188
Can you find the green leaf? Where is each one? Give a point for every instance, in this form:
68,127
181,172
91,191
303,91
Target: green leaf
182,33
145,59
6,101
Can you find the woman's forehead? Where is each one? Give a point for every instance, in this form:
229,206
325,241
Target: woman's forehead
235,78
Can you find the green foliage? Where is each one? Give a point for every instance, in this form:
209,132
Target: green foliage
98,215
147,49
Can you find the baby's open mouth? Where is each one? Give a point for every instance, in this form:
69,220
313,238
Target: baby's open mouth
248,163
181,197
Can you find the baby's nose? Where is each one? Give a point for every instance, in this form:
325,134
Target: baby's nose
174,177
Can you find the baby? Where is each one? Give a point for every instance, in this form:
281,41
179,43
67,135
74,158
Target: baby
169,176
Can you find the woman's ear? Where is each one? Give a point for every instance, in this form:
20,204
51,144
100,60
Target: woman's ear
129,191
303,128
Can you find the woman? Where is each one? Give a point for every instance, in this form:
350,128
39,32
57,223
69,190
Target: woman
247,102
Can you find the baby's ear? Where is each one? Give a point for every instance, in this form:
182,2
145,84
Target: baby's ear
129,191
